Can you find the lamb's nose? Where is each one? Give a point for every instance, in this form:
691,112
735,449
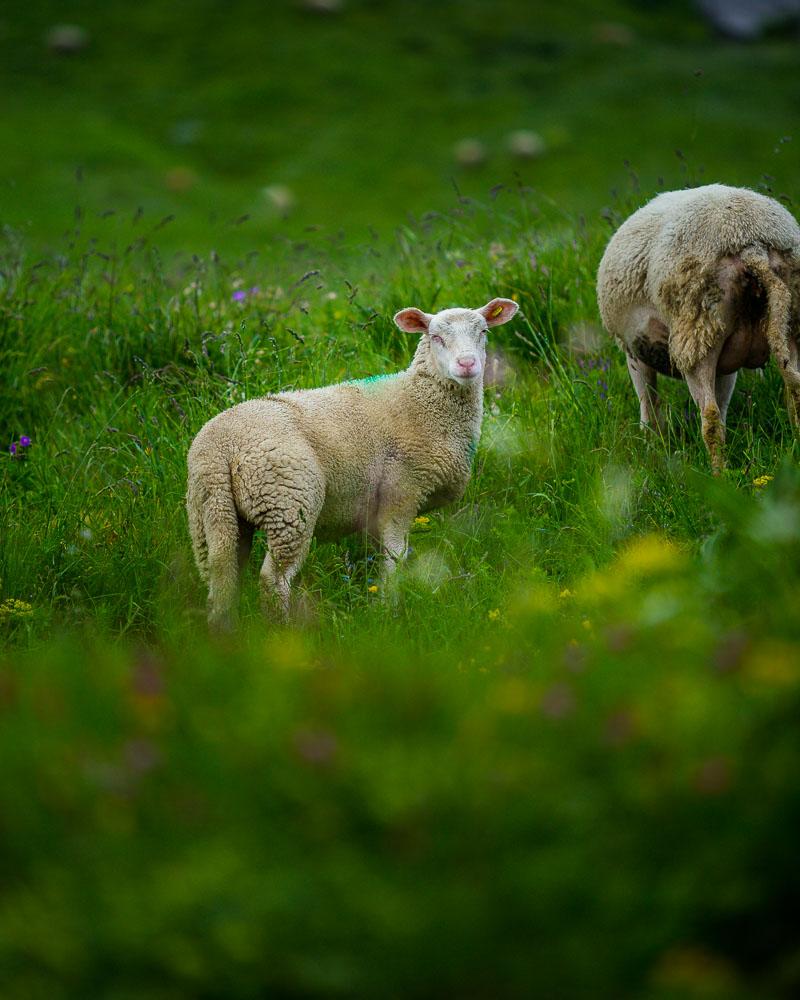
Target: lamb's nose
467,362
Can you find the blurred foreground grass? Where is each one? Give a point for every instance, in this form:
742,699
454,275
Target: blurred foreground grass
564,765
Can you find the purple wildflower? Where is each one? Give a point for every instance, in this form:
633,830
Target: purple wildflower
239,295
255,290
24,441
13,448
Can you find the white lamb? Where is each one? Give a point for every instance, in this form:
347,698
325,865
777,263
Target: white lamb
698,284
363,456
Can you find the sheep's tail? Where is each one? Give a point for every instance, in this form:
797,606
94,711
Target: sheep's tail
779,309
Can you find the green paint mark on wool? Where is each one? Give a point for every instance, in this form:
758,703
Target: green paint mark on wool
371,379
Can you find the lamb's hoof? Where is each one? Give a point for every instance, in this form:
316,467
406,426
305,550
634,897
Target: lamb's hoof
221,624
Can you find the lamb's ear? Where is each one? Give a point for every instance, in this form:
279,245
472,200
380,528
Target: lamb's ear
498,311
413,320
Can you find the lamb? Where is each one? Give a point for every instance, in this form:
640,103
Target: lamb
698,284
361,456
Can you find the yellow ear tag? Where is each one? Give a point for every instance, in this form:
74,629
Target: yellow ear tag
496,312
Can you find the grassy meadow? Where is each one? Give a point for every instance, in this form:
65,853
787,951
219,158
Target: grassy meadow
562,762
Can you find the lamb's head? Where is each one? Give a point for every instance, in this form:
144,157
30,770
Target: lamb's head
456,338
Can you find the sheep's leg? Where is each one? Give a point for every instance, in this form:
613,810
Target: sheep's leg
289,527
222,539
792,384
277,575
723,390
394,545
645,380
701,380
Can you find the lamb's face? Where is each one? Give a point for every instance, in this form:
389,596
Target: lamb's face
457,337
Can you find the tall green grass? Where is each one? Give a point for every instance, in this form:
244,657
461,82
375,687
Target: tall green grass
561,764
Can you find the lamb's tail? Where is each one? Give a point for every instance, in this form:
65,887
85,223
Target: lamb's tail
779,310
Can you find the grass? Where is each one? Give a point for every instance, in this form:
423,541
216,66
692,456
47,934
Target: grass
564,763
564,759
189,110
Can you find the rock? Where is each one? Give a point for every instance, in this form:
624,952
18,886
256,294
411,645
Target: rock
613,33
66,39
469,152
746,19
280,197
525,145
180,179
322,6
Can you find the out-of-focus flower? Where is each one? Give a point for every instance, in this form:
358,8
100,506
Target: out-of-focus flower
14,608
373,589
762,480
649,554
494,614
13,448
315,746
565,593
772,663
25,441
422,520
558,701
239,295
713,776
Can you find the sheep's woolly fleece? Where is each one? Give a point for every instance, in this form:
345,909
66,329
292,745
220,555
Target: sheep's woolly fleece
667,253
364,456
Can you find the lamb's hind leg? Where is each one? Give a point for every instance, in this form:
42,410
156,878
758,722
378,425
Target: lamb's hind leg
289,526
222,538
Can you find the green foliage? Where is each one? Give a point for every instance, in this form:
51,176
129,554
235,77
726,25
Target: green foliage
563,763
191,110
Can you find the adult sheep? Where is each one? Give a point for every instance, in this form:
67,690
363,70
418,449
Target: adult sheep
698,284
362,456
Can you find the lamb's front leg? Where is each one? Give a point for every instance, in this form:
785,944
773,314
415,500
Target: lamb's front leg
394,545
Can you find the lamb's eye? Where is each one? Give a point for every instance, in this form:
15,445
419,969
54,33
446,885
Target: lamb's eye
436,339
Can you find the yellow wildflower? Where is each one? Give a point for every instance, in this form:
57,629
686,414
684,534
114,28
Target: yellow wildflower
422,520
565,593
494,614
648,555
373,589
773,663
762,480
14,608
